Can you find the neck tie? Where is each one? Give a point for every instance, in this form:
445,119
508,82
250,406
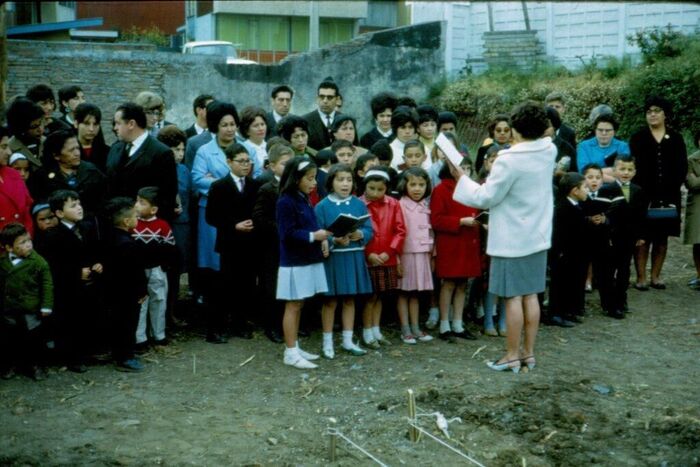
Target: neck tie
626,191
241,184
77,233
328,121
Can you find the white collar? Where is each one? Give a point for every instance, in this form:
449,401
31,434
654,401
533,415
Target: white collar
68,224
387,134
324,118
572,201
150,219
277,116
136,144
198,129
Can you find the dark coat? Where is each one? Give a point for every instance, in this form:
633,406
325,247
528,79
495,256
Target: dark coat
372,136
25,289
567,134
98,156
153,164
319,136
90,184
226,207
125,269
626,217
190,131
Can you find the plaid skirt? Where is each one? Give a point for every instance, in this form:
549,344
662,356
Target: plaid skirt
384,278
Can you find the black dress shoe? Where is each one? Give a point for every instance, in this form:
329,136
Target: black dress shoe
561,322
617,314
274,336
465,335
216,339
447,336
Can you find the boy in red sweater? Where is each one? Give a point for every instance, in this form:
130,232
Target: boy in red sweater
160,244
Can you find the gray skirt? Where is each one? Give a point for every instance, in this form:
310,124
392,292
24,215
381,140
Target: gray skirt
513,277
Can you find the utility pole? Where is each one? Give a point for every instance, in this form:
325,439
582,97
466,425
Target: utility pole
313,25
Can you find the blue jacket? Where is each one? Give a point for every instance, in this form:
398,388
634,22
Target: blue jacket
295,221
588,152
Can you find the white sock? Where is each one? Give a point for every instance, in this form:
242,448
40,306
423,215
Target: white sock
347,339
444,326
367,335
415,330
457,325
290,351
405,329
377,333
433,314
327,340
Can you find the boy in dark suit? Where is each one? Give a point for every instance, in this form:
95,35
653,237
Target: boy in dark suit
125,282
72,251
626,219
569,253
26,298
230,211
265,223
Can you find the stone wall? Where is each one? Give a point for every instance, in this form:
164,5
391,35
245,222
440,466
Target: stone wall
403,60
521,49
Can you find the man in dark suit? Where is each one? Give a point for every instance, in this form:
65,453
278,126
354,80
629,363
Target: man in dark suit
321,119
565,132
199,107
281,101
138,160
230,211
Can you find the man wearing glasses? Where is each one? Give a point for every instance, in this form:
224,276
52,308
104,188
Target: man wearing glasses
321,120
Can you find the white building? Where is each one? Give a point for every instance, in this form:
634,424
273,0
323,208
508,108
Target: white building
568,31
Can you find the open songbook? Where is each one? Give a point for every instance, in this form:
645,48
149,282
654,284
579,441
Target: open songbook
346,223
599,205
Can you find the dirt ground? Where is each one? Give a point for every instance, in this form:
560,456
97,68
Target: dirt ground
606,392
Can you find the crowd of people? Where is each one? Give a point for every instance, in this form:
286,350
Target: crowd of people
270,213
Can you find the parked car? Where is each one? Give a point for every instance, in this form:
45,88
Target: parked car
216,48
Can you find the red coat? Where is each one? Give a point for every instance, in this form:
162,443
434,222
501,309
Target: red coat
389,228
458,247
15,201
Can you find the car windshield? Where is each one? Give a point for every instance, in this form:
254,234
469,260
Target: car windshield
218,49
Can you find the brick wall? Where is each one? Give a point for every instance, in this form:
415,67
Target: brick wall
521,49
404,60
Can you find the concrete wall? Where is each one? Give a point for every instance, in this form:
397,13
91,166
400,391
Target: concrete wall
404,60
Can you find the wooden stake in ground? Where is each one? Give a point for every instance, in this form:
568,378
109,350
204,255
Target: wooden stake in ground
333,443
412,431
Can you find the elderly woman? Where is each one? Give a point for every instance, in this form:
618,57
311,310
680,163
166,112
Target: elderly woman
25,120
499,133
253,129
209,166
345,127
662,167
518,193
692,210
602,148
63,169
15,201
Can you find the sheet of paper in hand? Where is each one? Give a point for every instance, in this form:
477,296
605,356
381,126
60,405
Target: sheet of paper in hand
346,223
449,149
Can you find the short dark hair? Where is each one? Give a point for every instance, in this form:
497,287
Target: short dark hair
11,232
150,194
200,102
133,111
282,88
248,116
403,115
324,156
445,169
553,117
328,83
288,124
339,144
334,171
382,149
627,158
277,151
85,110
172,136
554,96
591,166
117,208
4,132
338,122
606,118
661,102
568,182
67,93
53,144
427,113
292,175
447,117
414,172
21,113
216,111
233,149
40,93
382,101
529,119
414,143
59,198
491,128
406,101
363,159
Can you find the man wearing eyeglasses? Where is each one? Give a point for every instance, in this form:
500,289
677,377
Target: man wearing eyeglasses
321,120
